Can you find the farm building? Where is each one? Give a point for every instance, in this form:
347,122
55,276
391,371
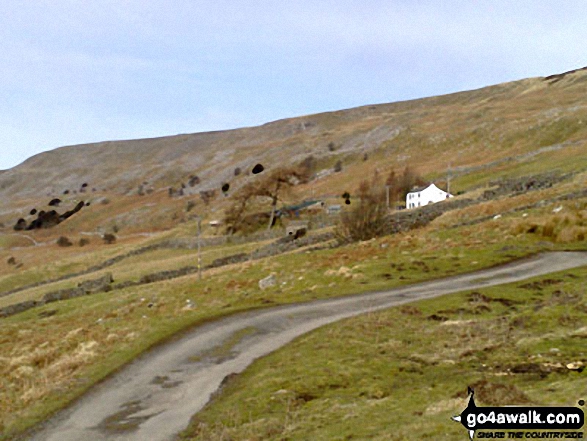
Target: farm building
431,194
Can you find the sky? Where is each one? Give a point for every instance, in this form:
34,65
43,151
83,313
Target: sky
75,72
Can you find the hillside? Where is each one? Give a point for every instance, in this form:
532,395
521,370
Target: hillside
527,121
75,309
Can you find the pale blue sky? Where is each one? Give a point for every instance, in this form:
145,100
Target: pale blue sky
74,72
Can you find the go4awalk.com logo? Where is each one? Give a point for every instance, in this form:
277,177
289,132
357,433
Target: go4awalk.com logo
522,422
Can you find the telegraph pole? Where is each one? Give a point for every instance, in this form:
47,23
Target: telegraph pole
199,248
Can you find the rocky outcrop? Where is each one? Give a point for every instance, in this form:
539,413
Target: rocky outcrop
268,282
47,219
522,185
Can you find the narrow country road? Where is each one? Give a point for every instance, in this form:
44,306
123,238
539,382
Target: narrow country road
155,396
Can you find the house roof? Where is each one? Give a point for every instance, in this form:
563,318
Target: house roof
422,188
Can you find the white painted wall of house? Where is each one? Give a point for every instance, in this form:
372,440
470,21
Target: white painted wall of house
429,195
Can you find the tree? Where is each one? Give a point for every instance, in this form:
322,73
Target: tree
271,186
367,218
275,184
307,167
401,185
235,214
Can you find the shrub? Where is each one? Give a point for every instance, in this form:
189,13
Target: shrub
401,184
548,229
194,180
571,234
368,217
309,164
83,241
109,238
64,242
237,171
207,196
338,166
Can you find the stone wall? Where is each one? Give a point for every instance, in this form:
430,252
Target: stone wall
101,284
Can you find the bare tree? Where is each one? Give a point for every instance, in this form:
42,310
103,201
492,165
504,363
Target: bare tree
367,218
272,186
401,185
235,214
275,184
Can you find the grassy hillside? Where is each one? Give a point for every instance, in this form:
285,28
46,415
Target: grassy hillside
402,373
498,127
51,354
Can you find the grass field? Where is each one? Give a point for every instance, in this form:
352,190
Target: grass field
91,337
402,373
396,368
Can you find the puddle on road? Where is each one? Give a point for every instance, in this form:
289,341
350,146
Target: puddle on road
225,351
165,382
122,421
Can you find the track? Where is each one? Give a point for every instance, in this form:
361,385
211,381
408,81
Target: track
155,396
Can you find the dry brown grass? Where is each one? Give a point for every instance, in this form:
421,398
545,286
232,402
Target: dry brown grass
466,129
567,225
38,365
40,357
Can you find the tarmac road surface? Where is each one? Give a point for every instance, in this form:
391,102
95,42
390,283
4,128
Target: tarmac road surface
154,397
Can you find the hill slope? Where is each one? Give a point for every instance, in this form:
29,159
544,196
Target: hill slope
488,127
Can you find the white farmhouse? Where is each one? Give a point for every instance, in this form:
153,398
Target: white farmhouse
425,195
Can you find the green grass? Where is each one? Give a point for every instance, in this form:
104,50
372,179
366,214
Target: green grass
44,263
46,363
123,327
569,159
131,268
43,361
400,375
